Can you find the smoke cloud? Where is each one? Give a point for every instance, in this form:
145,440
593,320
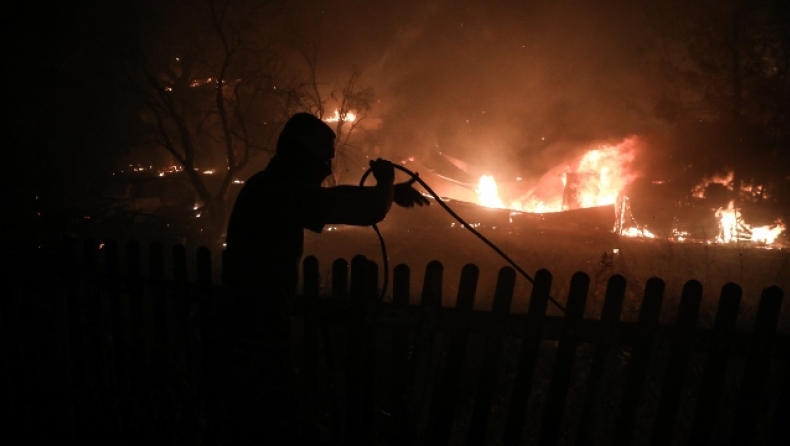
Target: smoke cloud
514,87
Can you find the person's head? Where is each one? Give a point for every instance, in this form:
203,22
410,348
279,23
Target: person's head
307,144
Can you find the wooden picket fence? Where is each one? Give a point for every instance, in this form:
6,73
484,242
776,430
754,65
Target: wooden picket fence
113,348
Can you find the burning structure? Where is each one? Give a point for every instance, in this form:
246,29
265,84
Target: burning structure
600,191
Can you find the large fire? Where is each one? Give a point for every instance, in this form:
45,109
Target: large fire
594,179
598,178
733,228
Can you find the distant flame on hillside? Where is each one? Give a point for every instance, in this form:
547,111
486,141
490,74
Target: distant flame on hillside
336,117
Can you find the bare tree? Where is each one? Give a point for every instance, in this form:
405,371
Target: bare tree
345,106
217,88
353,103
725,75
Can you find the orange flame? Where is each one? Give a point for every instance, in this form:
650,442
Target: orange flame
487,192
595,179
733,228
604,173
349,117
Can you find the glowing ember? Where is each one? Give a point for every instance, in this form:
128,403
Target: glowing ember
487,192
350,117
635,232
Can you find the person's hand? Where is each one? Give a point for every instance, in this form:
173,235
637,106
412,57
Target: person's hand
406,196
383,171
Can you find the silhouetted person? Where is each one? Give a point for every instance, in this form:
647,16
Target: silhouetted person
265,241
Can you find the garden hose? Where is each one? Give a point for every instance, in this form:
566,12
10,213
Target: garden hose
466,225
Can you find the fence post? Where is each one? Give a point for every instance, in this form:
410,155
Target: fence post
178,331
421,370
563,365
203,377
492,357
442,409
369,337
96,349
640,359
605,339
159,351
339,296
310,273
716,365
780,435
747,408
527,358
138,382
400,355
75,340
119,353
682,343
355,325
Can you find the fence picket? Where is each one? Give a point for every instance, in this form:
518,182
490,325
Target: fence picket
205,375
716,365
138,367
310,275
339,294
104,419
528,358
177,332
747,408
159,373
682,343
401,277
640,360
355,329
492,357
117,319
75,341
79,367
602,357
181,304
421,367
779,433
440,417
563,365
369,340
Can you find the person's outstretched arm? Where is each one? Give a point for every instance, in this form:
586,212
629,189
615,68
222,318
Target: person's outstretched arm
360,205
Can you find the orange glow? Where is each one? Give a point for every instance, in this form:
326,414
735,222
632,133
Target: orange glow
725,180
634,232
